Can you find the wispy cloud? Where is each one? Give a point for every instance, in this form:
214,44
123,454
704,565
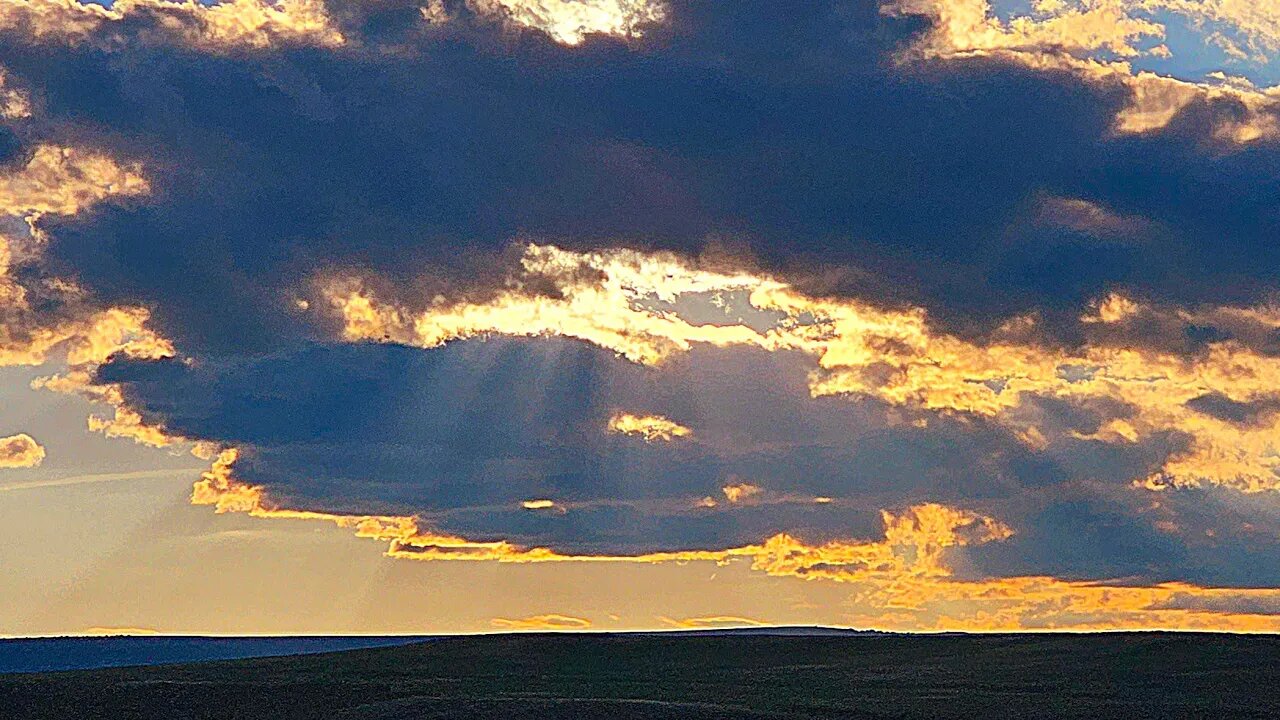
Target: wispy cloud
549,621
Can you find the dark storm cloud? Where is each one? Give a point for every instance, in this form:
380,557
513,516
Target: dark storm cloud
788,130
1233,411
785,129
1089,531
464,433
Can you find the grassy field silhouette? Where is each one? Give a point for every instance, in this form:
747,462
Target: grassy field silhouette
648,676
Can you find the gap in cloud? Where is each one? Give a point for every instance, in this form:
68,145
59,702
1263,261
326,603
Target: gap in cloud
1198,41
716,307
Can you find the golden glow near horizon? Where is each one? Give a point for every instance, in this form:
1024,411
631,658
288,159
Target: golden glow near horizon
901,582
711,622
542,623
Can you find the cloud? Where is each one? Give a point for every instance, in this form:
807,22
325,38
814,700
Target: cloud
649,427
39,313
571,21
119,631
1257,22
711,622
219,27
893,355
549,621
401,266
63,181
235,26
20,451
89,479
492,424
1096,40
232,191
741,492
904,581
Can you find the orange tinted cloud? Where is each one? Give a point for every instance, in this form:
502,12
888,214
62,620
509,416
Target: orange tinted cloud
1096,39
650,427
894,355
240,25
64,181
15,103
67,181
599,299
740,492
550,621
218,27
571,21
118,631
710,622
20,451
903,581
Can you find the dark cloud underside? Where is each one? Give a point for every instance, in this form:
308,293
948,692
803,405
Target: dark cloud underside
920,184
785,132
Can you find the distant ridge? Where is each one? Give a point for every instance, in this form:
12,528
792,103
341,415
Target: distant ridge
50,654
733,674
28,655
770,630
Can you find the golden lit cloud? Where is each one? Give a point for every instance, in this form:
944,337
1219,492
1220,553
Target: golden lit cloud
547,622
218,27
118,631
650,427
15,103
66,181
891,355
124,422
1212,398
20,451
710,622
237,25
571,21
1096,39
63,181
606,311
1112,309
965,27
903,581
740,492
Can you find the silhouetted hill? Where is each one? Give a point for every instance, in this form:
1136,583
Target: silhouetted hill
695,675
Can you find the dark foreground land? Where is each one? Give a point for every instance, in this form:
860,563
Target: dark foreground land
621,677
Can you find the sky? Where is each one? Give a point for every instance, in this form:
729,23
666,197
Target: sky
425,316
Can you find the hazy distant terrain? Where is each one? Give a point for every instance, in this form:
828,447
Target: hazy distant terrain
81,653
722,675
